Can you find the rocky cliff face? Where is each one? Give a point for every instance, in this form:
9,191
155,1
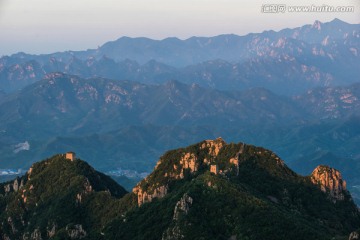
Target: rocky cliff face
213,146
329,180
147,196
182,207
184,162
15,185
354,235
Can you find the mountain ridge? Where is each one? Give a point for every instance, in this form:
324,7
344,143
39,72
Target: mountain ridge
64,199
304,56
90,115
205,97
55,196
238,163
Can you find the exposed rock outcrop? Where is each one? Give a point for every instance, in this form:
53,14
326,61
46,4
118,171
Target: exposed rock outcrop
76,231
182,206
51,230
14,186
144,196
354,236
329,180
87,190
191,161
214,147
188,161
36,234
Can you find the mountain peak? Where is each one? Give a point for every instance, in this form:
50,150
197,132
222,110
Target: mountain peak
66,164
215,156
329,180
338,21
317,25
64,199
195,178
58,191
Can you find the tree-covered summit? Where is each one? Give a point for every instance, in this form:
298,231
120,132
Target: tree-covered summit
208,190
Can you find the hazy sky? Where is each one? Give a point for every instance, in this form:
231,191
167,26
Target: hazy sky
44,26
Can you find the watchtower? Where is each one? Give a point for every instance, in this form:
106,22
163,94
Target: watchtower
70,156
214,168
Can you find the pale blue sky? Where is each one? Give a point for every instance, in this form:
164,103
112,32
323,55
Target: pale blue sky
45,26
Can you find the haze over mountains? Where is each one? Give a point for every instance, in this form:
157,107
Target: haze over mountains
287,62
128,124
295,91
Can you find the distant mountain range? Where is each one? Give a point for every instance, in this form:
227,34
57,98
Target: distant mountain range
208,190
295,91
287,62
73,105
112,119
68,105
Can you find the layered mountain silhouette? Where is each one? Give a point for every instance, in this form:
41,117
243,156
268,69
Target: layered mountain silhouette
74,105
210,190
112,118
287,62
295,91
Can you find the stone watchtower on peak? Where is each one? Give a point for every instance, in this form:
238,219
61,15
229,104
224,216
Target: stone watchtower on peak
214,169
70,156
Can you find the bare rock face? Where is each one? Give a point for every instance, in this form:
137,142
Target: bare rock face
36,235
14,186
329,180
214,146
182,206
354,236
188,162
51,231
76,231
144,196
7,188
87,190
